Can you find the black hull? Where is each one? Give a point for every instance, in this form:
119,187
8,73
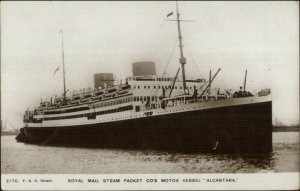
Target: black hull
21,137
243,128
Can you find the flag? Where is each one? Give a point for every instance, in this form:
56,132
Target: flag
170,14
56,70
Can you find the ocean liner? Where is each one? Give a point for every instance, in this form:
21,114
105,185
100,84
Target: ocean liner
149,111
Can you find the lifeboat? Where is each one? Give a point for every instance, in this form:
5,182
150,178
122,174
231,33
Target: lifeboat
124,87
98,92
87,95
74,101
108,95
110,92
76,97
85,100
97,97
111,89
120,92
58,99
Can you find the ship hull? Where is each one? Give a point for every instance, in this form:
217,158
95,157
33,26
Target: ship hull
240,128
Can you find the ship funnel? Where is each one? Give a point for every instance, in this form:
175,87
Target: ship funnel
103,79
143,68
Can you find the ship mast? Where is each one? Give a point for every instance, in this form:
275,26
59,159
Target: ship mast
63,63
245,81
182,59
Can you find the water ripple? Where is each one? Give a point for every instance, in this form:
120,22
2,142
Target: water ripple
22,158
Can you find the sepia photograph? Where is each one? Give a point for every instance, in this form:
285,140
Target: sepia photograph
159,95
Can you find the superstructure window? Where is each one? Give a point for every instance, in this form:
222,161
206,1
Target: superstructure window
66,111
137,108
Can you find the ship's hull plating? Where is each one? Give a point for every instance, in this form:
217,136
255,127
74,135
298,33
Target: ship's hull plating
242,128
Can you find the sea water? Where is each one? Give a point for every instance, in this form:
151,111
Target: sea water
33,159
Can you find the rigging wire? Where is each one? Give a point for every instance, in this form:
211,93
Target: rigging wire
55,88
11,125
160,41
169,59
193,61
197,67
168,62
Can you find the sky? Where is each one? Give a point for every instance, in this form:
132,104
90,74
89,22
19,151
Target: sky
260,36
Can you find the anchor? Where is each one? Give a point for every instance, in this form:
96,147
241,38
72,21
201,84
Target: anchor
217,142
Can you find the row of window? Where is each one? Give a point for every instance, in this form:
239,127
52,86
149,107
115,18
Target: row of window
113,102
120,109
66,110
126,100
144,98
164,79
158,87
148,79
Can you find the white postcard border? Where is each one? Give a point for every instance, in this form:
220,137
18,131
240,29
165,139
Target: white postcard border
239,181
